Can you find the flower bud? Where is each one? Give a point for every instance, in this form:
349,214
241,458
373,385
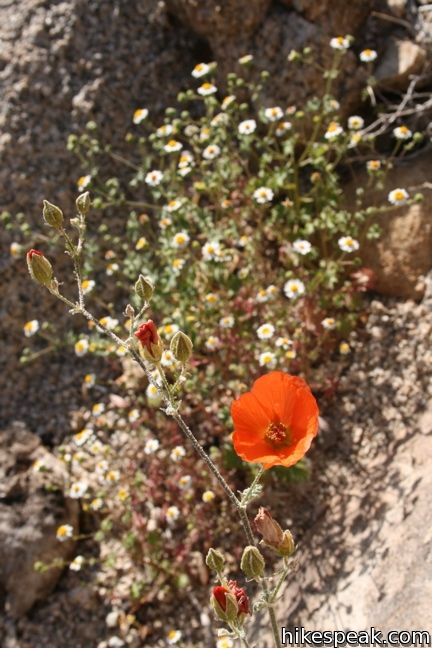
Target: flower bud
287,546
252,563
181,347
83,203
215,560
224,603
144,288
39,267
149,337
272,534
52,215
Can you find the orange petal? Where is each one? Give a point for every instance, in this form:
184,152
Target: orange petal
274,393
248,415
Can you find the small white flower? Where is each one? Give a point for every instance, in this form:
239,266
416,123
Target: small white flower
302,247
267,359
15,249
31,327
98,409
208,496
152,445
265,331
173,637
140,115
247,127
200,70
344,348
224,642
211,251
212,343
185,481
226,322
169,329
221,119
81,347
154,398
262,296
294,288
108,322
180,240
112,268
172,146
165,130
64,532
186,160
87,286
273,114
83,182
348,244
329,323
284,343
178,265
96,504
167,359
373,165
115,642
340,43
283,128
154,178
402,133
133,415
355,122
211,152
77,563
173,205
206,89
263,195
81,438
78,489
398,196
172,514
333,130
368,55
112,476
227,101
177,453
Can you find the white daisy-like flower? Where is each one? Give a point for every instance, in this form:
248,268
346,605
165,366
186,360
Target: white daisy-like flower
354,140
165,222
39,466
333,130
398,196
77,563
115,642
167,359
211,251
263,195
108,322
227,101
154,398
208,496
101,467
204,134
173,636
15,249
206,89
133,415
112,268
122,494
226,322
31,327
247,127
200,70
294,288
284,343
172,514
211,152
302,247
140,115
165,130
64,532
172,146
87,285
402,133
81,347
221,119
141,243
177,265
151,446
224,642
83,182
185,160
282,128
177,453
329,323
344,348
265,331
184,482
80,438
244,60
262,296
168,330
96,504
272,291
180,240
368,55
112,476
173,205
98,409
154,178
267,359
78,489
211,299
355,122
339,43
373,165
212,343
348,244
273,114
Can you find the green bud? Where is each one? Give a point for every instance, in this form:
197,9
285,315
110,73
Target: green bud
181,347
39,267
144,288
252,563
215,560
83,203
52,215
287,546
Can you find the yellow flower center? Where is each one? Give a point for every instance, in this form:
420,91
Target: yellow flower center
278,435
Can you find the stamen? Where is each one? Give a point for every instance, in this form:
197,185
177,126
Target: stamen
278,434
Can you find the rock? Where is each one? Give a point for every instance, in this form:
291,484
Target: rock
401,59
29,516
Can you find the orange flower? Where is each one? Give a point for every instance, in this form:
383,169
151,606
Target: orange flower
275,423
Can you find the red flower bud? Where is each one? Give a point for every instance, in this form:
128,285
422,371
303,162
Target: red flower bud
219,592
148,335
241,597
39,267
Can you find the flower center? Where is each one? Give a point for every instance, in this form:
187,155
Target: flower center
278,435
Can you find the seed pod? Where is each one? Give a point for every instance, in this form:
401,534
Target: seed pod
181,347
252,563
52,215
39,267
287,546
83,203
144,288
